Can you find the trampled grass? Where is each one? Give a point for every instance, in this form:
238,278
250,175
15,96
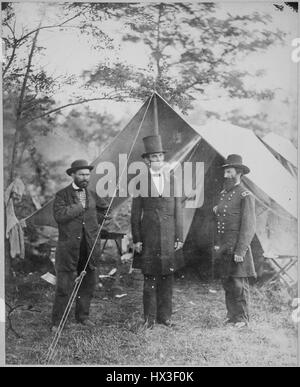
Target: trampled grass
199,338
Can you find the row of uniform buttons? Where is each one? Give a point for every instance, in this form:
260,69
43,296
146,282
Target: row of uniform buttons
229,197
221,228
220,224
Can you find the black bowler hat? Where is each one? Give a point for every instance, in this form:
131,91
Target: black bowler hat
236,161
78,164
152,144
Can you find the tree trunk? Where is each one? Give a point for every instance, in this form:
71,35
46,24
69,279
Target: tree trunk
158,53
14,152
19,118
18,131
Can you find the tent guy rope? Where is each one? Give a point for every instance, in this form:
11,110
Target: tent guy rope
52,348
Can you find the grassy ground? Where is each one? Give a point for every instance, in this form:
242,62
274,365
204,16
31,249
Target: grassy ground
199,339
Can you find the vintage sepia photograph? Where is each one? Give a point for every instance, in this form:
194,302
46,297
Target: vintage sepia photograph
150,169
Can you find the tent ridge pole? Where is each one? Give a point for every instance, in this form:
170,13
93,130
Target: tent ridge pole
156,128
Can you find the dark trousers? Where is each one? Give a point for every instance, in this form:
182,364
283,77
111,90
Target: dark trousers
65,281
237,295
157,297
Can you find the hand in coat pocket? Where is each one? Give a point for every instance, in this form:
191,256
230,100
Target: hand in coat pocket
138,247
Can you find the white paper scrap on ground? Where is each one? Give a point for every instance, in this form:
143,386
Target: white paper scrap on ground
112,272
2,310
120,295
192,303
48,277
212,291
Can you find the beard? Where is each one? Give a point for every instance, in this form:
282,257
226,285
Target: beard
229,182
81,184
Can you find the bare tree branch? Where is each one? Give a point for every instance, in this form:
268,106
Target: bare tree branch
12,30
10,60
28,68
20,107
108,97
67,105
49,26
18,42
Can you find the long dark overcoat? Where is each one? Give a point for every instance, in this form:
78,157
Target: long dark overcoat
73,220
157,222
235,213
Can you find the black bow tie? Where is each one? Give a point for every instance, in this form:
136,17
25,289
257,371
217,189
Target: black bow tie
78,189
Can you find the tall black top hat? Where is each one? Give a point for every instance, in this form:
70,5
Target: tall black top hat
152,144
78,164
236,161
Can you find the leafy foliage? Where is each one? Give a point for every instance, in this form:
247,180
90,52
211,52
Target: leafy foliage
189,49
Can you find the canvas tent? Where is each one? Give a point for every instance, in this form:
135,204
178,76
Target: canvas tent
283,150
274,188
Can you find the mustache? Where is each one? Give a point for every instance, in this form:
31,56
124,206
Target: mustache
79,183
229,180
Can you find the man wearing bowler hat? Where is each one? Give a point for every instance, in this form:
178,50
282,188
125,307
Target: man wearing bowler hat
235,218
156,222
77,211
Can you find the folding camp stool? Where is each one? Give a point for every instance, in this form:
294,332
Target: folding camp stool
117,237
284,266
106,236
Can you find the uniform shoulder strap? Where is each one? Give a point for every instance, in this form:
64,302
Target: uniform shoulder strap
246,193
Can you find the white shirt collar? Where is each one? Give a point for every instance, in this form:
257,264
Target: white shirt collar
155,172
75,186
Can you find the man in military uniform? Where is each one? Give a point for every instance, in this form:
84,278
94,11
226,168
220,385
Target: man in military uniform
156,222
77,211
235,216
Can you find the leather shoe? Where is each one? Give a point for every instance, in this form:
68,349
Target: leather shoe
54,328
87,323
167,323
241,324
228,321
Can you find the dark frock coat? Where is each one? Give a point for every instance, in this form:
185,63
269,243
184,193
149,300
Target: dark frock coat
235,219
157,222
75,222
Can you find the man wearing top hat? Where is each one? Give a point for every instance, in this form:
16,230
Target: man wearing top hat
235,218
77,211
156,222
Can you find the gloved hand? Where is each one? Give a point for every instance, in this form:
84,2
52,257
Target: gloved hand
178,245
238,258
